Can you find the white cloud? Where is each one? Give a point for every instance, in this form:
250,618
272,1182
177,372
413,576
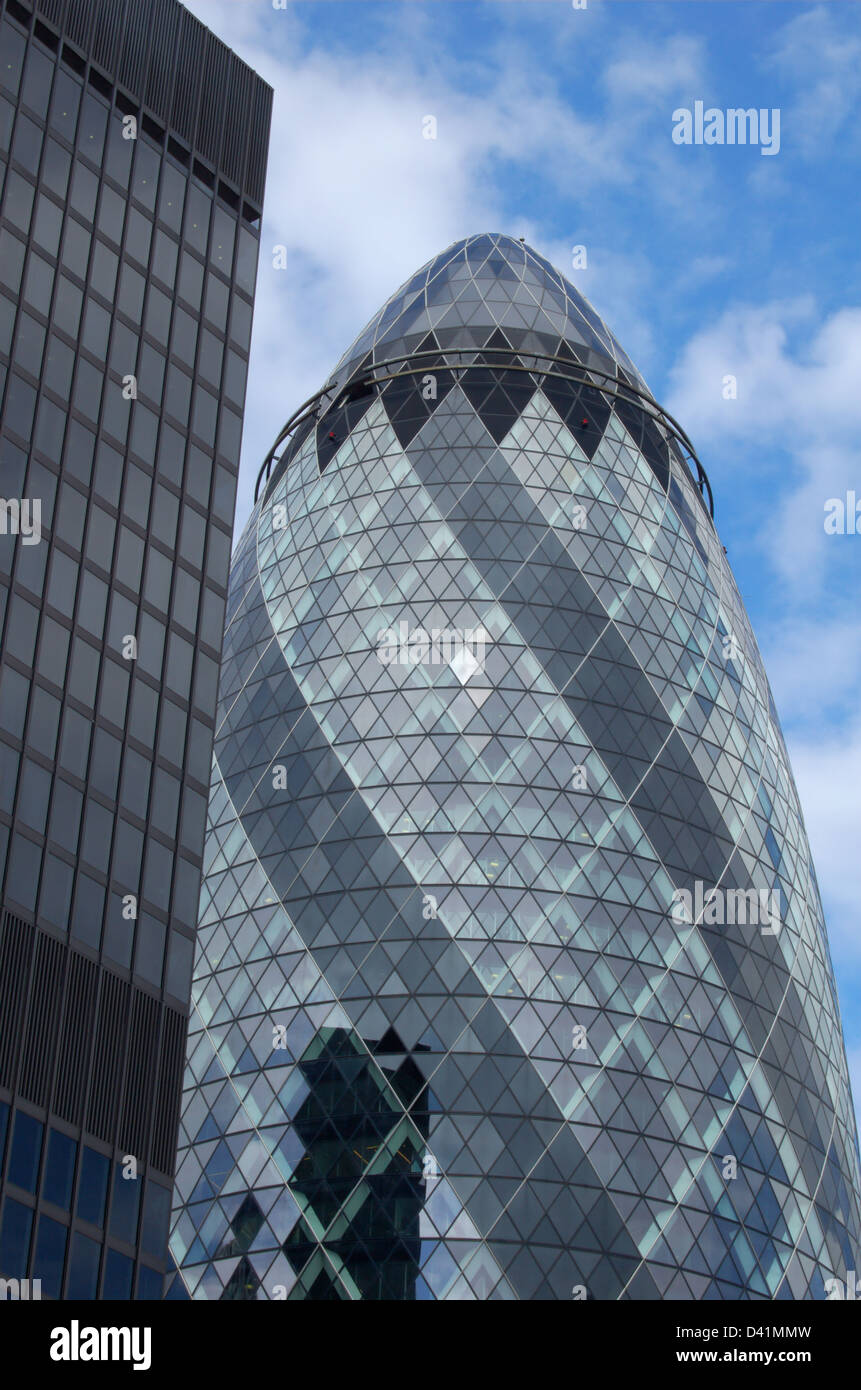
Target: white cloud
658,72
818,53
797,381
853,1057
814,667
827,772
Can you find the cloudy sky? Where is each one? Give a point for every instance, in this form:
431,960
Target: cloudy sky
555,123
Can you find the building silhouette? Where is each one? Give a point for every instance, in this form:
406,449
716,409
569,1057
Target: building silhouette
134,147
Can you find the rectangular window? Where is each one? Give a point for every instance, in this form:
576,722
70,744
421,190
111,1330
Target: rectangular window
145,176
15,1239
124,1206
50,1256
59,1169
26,1151
93,1186
64,107
118,1276
83,1268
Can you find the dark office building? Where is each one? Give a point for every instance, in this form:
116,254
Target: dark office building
134,151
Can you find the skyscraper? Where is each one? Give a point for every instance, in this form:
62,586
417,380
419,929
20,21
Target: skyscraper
134,150
512,977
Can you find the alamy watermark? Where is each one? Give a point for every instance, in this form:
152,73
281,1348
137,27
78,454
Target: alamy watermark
851,1290
21,517
77,1343
735,126
719,907
843,517
20,1289
461,648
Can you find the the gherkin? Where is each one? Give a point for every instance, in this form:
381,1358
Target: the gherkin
490,707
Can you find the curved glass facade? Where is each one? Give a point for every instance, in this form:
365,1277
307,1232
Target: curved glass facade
512,979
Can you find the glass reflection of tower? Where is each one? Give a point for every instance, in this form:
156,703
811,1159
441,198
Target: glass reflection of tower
361,1181
364,1165
505,1068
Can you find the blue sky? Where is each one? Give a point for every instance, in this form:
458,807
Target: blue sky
555,123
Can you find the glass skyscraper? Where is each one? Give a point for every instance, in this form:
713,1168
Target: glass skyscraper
133,158
512,980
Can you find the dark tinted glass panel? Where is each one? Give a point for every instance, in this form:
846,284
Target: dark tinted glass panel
118,1276
197,213
111,214
246,261
15,1230
56,894
66,814
47,224
149,940
149,1284
85,188
18,201
83,1267
145,177
53,650
92,127
22,873
171,197
49,1256
64,107
119,151
223,237
155,1220
38,76
14,48
59,1169
34,791
26,142
92,1186
87,912
124,1205
68,305
56,164
26,1149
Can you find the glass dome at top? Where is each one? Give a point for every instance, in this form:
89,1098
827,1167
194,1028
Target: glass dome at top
480,285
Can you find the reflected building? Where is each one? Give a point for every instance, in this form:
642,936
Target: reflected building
512,980
132,159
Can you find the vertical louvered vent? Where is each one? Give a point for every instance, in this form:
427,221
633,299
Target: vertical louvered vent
167,1098
164,30
261,114
16,949
109,1053
211,120
235,133
107,27
40,1037
140,1074
79,19
76,1037
133,48
55,10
